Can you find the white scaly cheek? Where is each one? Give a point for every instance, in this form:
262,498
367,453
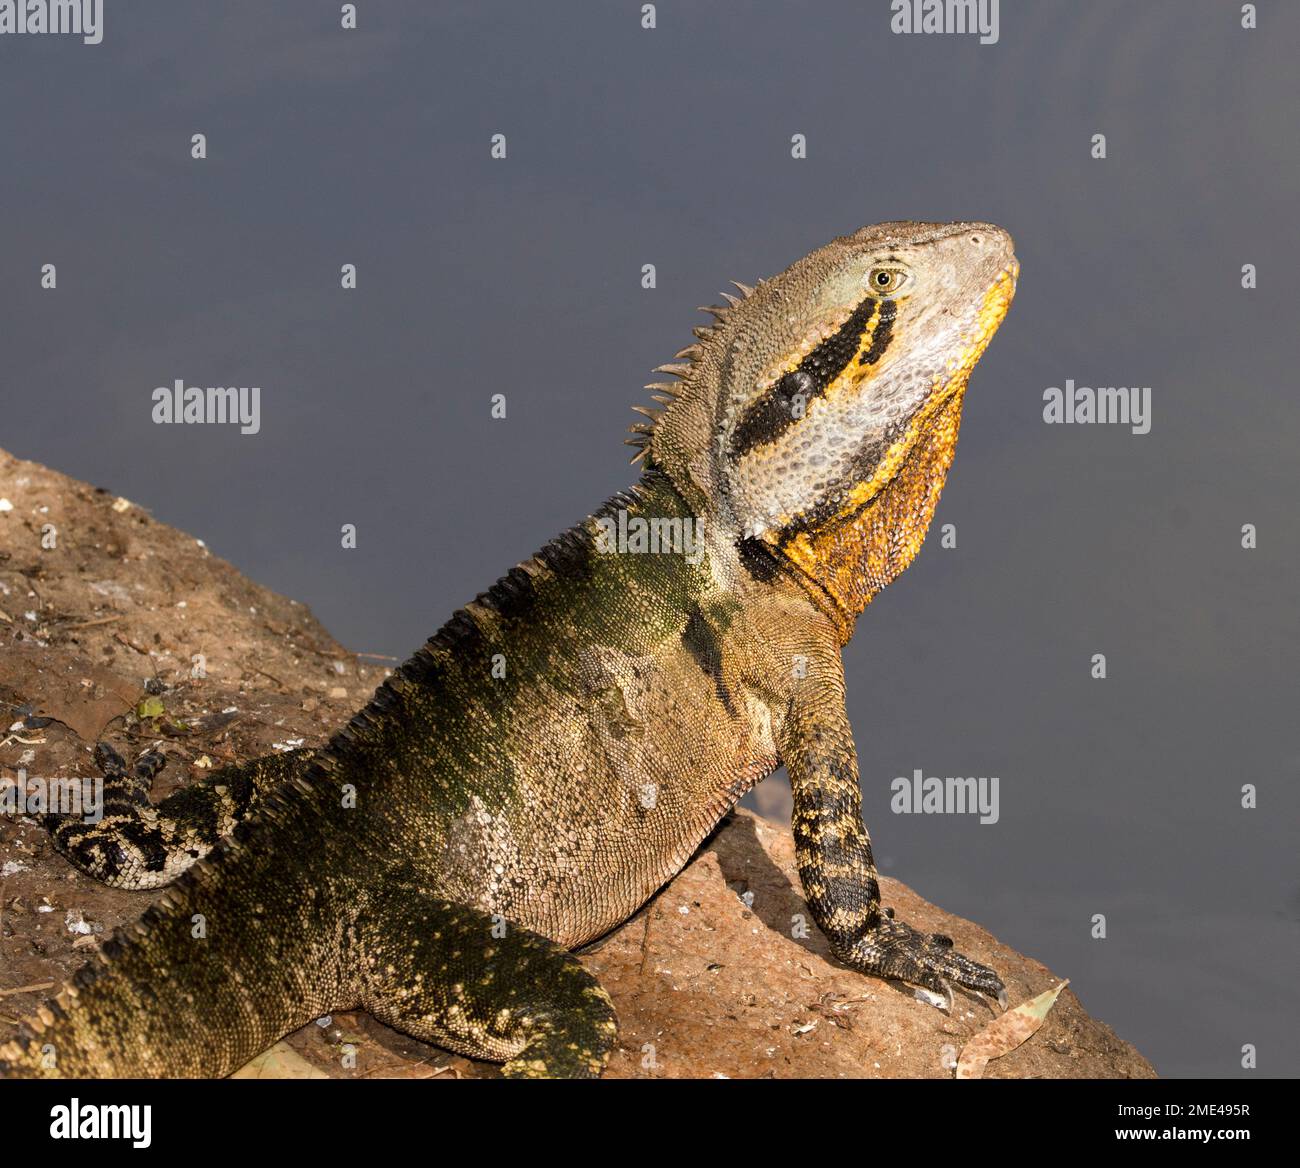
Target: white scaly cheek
820,458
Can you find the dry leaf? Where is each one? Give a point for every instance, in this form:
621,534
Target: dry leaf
280,1062
1004,1034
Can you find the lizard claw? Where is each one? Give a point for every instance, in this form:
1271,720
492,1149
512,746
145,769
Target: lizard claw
926,961
940,1001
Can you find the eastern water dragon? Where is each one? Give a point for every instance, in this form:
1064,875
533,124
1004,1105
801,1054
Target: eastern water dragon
559,749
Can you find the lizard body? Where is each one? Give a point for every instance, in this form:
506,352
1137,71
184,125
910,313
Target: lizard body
557,751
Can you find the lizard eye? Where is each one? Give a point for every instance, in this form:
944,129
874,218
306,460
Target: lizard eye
886,281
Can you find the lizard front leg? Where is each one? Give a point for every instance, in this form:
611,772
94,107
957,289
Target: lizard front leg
834,851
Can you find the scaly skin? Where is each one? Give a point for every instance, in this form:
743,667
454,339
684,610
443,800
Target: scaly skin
560,748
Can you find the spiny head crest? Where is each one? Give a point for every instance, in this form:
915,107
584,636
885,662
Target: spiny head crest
667,393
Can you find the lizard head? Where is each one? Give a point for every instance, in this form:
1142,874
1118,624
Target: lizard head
819,415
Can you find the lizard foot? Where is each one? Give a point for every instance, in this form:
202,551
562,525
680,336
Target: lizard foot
926,961
94,844
129,784
137,844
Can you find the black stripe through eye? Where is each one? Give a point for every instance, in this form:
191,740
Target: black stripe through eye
769,417
883,335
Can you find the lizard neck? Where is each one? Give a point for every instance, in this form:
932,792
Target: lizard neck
865,545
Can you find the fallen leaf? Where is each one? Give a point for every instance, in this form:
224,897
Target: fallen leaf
280,1062
1005,1033
149,708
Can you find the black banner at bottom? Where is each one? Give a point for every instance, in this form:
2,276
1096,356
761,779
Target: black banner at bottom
340,1116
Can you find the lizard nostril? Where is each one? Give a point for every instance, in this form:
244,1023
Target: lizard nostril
977,239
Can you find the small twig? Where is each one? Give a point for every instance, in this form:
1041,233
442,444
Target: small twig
272,676
377,656
27,989
103,620
130,644
645,942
